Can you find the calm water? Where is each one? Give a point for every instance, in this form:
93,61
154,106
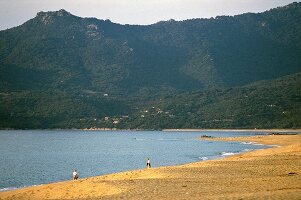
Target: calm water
36,157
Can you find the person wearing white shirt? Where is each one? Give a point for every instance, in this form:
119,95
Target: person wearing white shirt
148,164
74,175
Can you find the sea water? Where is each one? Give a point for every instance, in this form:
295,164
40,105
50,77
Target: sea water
36,157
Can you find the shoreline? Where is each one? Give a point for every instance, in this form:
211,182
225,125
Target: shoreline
221,156
239,130
276,130
158,182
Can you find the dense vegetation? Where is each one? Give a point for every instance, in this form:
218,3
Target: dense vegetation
268,104
62,71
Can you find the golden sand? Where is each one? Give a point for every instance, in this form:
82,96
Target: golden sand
273,173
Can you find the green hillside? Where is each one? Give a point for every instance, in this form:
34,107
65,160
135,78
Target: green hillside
267,104
57,50
58,70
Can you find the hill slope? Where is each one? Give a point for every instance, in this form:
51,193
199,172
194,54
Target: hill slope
267,104
62,71
57,50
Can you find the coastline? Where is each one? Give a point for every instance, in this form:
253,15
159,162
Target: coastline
273,172
240,130
174,130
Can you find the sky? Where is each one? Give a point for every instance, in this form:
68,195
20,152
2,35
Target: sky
16,12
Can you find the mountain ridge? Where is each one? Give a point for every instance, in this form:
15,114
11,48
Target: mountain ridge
79,60
195,52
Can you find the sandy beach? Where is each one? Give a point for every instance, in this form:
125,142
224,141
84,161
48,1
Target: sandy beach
239,130
273,173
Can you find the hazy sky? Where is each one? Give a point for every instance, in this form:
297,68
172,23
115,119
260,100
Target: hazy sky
16,12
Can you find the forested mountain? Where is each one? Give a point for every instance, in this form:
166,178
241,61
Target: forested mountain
58,70
266,104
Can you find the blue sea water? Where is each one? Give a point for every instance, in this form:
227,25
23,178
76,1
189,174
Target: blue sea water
34,157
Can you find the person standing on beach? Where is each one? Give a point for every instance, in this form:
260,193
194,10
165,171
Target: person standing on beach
148,164
74,175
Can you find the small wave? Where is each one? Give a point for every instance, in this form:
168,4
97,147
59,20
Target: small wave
162,139
139,139
8,189
203,158
248,143
16,188
246,150
228,153
252,143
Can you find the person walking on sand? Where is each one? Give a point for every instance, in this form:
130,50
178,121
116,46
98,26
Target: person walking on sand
148,164
74,175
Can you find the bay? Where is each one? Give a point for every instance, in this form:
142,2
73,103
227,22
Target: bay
33,157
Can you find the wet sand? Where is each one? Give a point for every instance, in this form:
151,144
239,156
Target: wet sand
273,173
